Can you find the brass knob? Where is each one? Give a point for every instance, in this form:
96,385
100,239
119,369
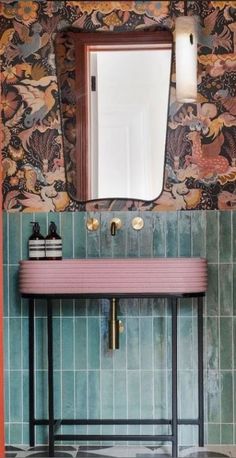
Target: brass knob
137,223
116,224
92,224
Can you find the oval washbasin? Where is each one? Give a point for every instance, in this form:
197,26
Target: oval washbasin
114,276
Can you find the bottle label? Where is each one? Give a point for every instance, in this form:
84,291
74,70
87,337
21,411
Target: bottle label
53,248
36,249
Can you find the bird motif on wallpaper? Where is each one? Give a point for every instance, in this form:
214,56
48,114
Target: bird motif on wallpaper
213,40
226,100
208,164
32,41
38,96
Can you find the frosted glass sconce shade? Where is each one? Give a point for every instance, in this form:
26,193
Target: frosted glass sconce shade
186,59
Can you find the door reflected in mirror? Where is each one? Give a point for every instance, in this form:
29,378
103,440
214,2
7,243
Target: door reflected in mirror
117,86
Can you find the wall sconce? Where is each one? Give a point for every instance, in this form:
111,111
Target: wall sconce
186,57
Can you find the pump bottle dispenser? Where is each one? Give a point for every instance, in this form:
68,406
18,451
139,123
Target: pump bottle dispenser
36,244
53,243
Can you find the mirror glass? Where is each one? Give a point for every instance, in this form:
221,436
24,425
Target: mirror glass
114,93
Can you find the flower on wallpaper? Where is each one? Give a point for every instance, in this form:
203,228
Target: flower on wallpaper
226,200
157,9
11,74
9,104
218,64
26,11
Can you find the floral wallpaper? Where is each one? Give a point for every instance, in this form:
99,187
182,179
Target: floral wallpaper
200,171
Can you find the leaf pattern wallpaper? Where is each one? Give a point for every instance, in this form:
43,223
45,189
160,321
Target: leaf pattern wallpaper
200,168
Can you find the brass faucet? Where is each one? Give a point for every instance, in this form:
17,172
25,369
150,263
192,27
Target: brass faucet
115,225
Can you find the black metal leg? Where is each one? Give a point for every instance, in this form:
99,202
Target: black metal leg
200,373
50,379
174,380
31,374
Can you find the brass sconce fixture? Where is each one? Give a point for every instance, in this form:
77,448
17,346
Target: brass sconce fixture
186,57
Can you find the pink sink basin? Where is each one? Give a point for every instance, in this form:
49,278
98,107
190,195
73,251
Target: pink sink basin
114,276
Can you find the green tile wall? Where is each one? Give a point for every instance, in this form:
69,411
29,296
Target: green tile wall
134,381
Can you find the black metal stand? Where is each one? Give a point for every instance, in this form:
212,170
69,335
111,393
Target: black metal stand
53,424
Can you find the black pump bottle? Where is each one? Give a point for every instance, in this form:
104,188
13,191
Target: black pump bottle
36,244
53,243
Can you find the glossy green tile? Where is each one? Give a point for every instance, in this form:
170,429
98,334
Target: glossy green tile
7,375
212,299
226,397
226,289
6,347
15,355
15,433
187,394
213,433
40,307
93,343
81,394
161,395
184,234
25,403
5,229
133,350
67,306
212,341
160,342
198,233
159,237
234,289
133,388
234,235
80,236
80,307
213,389
225,245
226,356
93,239
146,343
6,299
146,237
186,340
234,340
186,436
57,343
41,343
147,394
66,233
132,240
159,307
41,408
15,396
120,393
57,381
94,407
107,394
171,234
14,238
106,239
67,344
68,394
212,236
14,295
80,343
227,434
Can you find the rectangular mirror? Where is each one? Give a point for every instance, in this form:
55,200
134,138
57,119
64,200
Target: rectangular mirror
114,92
